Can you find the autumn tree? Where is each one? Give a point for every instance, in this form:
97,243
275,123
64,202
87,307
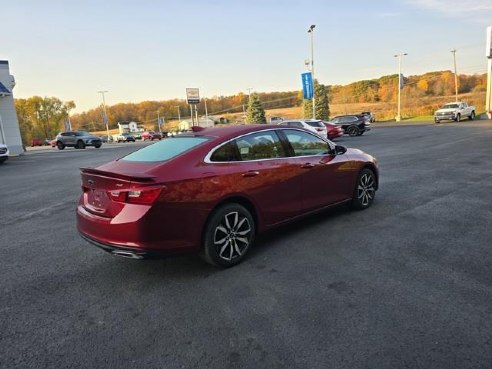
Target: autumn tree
255,112
41,117
322,108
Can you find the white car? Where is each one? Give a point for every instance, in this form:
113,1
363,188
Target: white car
316,126
4,153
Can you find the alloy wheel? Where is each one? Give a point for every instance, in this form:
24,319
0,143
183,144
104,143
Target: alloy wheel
232,236
366,189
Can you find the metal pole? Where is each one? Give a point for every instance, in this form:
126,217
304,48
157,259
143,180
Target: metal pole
398,115
455,75
206,111
105,113
179,113
311,31
159,121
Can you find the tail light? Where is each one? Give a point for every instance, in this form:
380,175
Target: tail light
141,196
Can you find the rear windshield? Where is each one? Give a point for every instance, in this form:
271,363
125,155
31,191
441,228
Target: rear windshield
166,149
315,124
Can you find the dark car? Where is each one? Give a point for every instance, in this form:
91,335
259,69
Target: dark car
369,116
77,139
125,137
213,190
353,125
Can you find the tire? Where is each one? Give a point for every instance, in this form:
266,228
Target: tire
97,146
365,189
3,159
229,234
458,118
472,115
353,131
60,145
436,121
80,145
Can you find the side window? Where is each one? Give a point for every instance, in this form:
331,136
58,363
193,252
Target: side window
65,134
227,152
305,144
260,145
336,120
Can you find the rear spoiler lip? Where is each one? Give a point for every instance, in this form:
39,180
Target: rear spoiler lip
140,177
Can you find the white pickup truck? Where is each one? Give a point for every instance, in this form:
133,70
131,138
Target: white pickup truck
455,111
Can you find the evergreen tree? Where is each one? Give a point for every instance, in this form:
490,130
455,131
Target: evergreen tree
255,112
321,105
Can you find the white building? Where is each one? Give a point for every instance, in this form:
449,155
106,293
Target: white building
9,125
185,125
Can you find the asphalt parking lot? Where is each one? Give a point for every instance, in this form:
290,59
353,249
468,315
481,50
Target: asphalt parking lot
406,283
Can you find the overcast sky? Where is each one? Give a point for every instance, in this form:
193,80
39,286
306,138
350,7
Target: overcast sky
153,50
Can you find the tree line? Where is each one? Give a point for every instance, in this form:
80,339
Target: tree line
44,117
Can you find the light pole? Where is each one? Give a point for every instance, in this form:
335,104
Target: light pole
311,31
398,116
455,75
105,114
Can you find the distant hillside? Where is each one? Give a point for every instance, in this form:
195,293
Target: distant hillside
421,95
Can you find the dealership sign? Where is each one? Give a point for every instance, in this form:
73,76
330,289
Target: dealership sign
193,95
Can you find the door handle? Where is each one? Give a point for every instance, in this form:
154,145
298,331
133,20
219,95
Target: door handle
307,166
250,174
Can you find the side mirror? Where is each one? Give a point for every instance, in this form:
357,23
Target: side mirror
340,150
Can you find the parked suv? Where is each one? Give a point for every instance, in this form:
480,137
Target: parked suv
77,139
4,153
353,125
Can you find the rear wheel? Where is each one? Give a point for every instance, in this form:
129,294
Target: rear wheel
80,144
353,131
365,189
229,234
60,145
472,115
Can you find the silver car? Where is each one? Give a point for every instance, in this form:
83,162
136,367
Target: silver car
316,126
77,139
4,153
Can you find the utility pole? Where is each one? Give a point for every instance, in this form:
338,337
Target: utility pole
102,92
158,120
179,113
206,111
311,31
455,75
398,115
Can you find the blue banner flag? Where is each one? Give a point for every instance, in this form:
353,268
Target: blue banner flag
402,81
307,85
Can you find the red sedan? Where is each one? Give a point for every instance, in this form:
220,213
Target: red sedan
212,190
150,135
334,131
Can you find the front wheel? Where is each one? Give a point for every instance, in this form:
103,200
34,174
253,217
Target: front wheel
60,145
365,189
458,117
353,131
80,145
472,115
229,234
97,146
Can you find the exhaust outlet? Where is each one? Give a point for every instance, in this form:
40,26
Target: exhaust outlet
127,254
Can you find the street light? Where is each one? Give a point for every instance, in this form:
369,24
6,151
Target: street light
102,92
398,116
455,75
179,113
311,31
